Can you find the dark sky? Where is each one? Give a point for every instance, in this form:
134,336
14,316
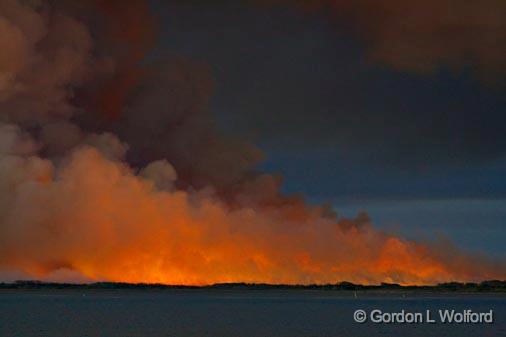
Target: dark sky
417,149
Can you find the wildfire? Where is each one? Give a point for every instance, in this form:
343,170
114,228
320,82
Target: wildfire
71,199
96,217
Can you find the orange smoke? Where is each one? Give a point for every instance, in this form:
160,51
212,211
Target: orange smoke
96,217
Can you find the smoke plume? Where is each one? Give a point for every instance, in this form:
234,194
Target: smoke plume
112,169
422,36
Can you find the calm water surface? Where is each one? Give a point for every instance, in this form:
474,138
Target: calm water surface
220,313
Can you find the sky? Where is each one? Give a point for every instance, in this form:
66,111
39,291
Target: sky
420,147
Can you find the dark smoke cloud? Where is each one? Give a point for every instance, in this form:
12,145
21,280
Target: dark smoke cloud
167,117
421,36
75,67
418,36
45,55
303,84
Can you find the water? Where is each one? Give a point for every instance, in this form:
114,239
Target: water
220,313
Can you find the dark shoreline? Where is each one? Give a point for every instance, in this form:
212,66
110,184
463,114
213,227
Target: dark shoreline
493,286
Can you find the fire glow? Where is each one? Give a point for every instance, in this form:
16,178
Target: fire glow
191,210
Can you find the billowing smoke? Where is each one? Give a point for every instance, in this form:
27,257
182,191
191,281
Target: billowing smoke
111,169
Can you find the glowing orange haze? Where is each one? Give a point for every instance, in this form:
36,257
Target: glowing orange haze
96,217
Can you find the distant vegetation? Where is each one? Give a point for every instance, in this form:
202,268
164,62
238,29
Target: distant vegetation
486,286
